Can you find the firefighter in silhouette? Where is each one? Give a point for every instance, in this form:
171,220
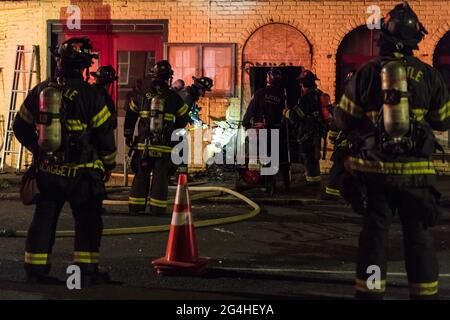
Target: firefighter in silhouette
191,95
265,111
388,112
340,142
310,121
68,127
160,111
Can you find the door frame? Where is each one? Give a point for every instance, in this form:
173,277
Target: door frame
114,26
130,26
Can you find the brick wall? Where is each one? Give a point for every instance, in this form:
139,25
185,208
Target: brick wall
323,24
20,23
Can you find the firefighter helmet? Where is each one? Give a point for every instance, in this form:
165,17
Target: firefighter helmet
77,51
274,76
105,74
402,27
307,78
203,82
162,70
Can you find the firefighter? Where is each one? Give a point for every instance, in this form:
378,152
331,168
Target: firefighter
310,120
65,123
266,111
388,110
191,95
104,77
160,111
340,142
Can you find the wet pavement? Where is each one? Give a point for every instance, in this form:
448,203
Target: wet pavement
300,249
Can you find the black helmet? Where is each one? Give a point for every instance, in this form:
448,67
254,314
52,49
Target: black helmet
105,74
162,70
203,82
402,27
307,78
77,51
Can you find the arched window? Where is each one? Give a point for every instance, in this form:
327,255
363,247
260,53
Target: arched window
275,44
357,48
441,59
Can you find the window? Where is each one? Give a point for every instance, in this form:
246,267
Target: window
133,67
150,61
217,64
95,65
123,65
214,60
185,62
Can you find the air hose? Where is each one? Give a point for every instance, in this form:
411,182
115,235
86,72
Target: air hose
211,191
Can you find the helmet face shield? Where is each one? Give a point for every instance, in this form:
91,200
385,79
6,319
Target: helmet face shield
105,75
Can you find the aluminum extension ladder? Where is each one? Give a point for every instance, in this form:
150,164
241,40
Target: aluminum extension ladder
8,147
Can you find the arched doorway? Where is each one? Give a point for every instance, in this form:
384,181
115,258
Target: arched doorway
441,58
275,44
357,48
441,61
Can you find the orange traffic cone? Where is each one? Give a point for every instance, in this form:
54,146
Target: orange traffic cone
181,254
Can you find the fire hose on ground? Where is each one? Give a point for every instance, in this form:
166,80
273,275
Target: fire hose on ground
209,192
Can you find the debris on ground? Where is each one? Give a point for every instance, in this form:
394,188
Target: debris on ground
216,173
4,184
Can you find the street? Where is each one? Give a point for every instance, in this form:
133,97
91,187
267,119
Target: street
298,247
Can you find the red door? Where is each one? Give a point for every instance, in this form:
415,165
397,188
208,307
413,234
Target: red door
108,45
132,55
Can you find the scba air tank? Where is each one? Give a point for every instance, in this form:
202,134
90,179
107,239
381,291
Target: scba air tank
395,98
49,124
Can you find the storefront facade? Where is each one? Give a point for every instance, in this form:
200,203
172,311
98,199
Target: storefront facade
226,40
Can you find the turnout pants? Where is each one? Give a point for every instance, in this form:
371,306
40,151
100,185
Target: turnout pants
336,172
310,157
285,156
85,193
150,191
412,204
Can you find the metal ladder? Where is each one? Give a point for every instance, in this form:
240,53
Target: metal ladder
12,111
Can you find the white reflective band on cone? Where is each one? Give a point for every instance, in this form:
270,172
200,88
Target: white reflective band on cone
181,218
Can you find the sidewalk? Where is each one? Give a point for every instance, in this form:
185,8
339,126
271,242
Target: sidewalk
299,192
